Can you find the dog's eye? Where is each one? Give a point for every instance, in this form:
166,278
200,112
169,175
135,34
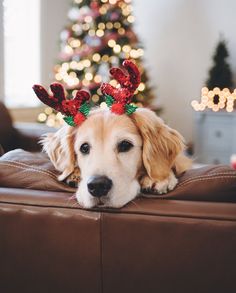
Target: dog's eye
85,148
124,146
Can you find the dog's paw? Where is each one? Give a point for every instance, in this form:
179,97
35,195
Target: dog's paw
160,187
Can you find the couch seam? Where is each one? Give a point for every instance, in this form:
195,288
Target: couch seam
17,164
30,169
101,250
202,178
125,212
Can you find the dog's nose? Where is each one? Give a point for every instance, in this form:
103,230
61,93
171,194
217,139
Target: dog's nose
99,185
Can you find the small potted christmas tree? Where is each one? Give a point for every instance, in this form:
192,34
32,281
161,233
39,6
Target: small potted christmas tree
220,74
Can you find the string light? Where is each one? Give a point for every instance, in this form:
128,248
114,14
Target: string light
91,33
88,18
88,76
76,27
215,100
58,76
109,25
111,43
113,82
85,82
68,49
103,10
80,66
101,26
117,25
95,98
96,57
97,78
103,105
48,110
73,65
42,117
121,31
86,26
100,33
74,43
117,49
105,58
87,63
131,18
126,48
141,87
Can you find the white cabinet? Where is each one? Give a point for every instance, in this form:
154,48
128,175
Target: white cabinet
214,137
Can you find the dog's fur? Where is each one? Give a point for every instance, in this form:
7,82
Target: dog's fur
152,163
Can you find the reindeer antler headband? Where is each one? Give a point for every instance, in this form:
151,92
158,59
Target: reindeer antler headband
119,99
77,109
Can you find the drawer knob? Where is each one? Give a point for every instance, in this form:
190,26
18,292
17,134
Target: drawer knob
218,133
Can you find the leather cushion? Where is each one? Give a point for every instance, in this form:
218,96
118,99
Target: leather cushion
21,169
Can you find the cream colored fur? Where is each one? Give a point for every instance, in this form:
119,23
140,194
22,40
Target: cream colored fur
152,162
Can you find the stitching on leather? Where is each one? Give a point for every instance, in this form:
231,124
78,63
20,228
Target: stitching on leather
205,176
23,164
205,179
30,169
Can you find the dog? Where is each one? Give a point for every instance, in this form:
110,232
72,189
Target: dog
118,156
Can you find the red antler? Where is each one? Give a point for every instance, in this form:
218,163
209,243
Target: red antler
76,109
129,81
58,100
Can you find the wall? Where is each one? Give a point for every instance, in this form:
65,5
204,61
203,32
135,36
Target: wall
53,18
179,38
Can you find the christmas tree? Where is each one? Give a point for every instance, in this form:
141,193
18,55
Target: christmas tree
99,35
220,74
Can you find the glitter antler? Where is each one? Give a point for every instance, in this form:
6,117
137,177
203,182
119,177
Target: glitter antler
76,109
119,99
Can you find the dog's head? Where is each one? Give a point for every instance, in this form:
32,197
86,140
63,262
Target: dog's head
113,152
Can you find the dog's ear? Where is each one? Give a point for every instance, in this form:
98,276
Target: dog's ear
161,144
59,147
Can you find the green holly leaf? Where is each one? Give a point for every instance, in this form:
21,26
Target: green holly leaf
129,109
84,109
69,120
109,100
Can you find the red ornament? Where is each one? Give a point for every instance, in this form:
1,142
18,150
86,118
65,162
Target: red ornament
79,118
118,109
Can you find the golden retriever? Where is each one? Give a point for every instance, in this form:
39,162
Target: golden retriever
118,155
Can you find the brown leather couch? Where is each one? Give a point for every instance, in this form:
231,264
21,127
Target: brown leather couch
184,241
12,138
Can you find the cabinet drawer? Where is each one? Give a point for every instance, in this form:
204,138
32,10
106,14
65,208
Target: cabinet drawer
216,158
218,137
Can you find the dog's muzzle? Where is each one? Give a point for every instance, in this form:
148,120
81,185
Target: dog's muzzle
99,185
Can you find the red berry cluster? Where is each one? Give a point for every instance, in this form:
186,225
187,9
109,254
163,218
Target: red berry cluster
79,118
118,108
